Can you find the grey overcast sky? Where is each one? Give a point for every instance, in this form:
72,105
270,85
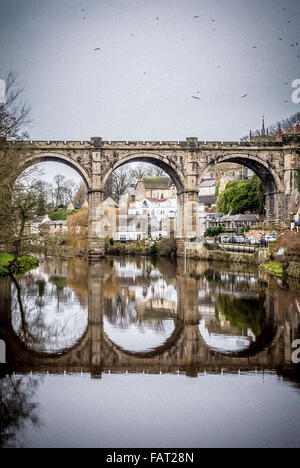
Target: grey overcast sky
139,86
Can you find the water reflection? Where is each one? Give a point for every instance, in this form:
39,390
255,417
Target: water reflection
50,306
139,306
134,314
18,407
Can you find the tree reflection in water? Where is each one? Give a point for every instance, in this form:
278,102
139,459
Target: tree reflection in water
17,407
242,314
47,316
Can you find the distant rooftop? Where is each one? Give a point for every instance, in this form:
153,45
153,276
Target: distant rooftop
207,199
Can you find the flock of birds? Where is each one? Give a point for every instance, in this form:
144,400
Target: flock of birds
244,96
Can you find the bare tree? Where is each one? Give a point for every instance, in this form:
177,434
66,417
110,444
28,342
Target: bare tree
129,175
283,124
14,111
80,195
116,184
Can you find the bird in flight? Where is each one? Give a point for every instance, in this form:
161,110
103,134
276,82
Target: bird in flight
196,16
286,83
97,48
196,97
245,95
254,47
285,102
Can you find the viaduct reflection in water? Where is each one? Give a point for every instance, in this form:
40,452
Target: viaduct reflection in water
132,315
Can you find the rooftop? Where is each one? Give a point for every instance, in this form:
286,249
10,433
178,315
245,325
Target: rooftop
207,199
208,183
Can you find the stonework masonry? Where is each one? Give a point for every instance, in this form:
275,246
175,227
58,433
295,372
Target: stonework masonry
186,162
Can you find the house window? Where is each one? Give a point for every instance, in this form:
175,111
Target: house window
162,195
105,212
105,228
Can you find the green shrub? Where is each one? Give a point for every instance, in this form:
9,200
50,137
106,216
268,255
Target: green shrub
111,241
214,231
60,214
153,250
21,266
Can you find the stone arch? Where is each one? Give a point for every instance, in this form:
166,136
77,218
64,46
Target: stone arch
270,179
275,205
62,158
152,158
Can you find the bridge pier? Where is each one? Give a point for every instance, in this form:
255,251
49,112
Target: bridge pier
187,215
95,283
276,209
96,247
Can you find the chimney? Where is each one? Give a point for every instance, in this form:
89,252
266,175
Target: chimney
279,135
297,128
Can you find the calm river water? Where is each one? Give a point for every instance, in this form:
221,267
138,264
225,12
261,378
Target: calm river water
134,353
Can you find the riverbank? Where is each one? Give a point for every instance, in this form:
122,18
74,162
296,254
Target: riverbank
265,258
22,265
161,248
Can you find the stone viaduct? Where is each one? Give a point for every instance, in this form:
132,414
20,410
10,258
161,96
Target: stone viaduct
186,162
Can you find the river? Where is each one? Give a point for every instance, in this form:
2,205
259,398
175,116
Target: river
131,352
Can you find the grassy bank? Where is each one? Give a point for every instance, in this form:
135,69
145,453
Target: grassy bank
23,264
